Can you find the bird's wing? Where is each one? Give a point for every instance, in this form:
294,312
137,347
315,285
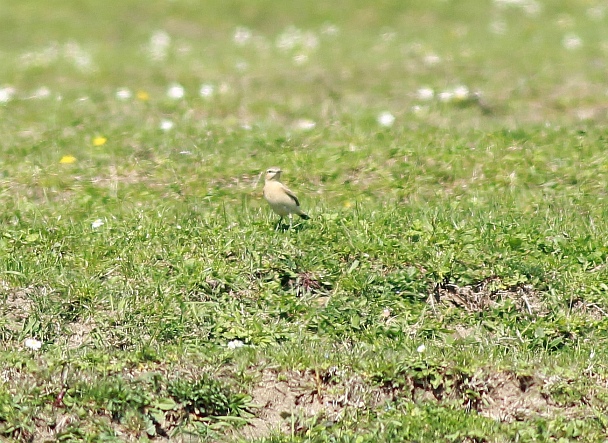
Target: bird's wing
292,195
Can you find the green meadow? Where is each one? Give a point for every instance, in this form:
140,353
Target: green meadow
450,286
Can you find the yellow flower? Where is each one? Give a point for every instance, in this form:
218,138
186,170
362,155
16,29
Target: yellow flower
99,141
67,159
143,95
347,204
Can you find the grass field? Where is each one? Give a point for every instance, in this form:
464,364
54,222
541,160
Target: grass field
451,285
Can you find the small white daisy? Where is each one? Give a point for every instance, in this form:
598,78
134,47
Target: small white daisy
97,223
206,90
176,91
6,94
461,92
329,29
289,38
166,125
416,109
158,46
42,92
32,343
386,119
305,124
234,344
572,42
300,59
446,96
431,59
241,35
425,93
123,94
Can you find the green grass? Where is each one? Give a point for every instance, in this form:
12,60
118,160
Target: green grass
450,286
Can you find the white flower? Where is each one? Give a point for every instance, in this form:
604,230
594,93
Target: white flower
431,59
97,223
6,94
159,45
446,96
305,125
160,38
425,93
176,91
300,59
123,94
386,119
289,38
206,90
386,313
166,125
420,349
572,41
42,92
235,344
310,41
329,29
241,35
32,344
461,92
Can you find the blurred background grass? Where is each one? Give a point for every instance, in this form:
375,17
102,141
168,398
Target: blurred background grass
531,60
487,87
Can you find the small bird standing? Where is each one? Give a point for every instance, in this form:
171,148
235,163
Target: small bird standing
279,197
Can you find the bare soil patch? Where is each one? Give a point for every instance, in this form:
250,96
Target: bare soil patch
488,294
281,397
17,305
290,401
516,398
79,333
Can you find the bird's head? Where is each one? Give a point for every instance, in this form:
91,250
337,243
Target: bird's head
273,173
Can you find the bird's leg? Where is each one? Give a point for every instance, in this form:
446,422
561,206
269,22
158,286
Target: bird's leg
279,224
290,221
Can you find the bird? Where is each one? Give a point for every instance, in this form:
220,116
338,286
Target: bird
280,198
